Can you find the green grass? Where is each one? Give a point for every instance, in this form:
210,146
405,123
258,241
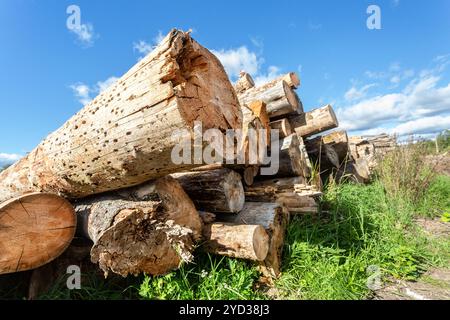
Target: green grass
362,229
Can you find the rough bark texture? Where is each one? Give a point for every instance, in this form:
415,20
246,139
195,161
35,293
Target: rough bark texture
236,240
244,82
322,154
124,136
150,228
274,219
278,96
289,157
293,193
283,127
34,229
218,190
339,141
315,121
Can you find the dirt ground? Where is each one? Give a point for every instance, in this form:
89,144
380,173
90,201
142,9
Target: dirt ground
432,285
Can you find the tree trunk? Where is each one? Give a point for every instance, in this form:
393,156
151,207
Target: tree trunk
34,229
244,82
315,121
236,240
218,190
283,127
274,219
150,228
124,136
280,99
293,193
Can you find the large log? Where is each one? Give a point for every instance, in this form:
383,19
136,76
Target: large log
124,136
339,141
322,154
236,240
278,96
293,193
151,228
218,190
34,229
290,161
314,121
290,78
274,218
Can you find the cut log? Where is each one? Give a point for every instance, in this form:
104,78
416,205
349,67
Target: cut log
248,172
293,193
244,82
151,228
274,219
290,78
322,154
306,161
236,240
289,157
218,190
34,229
280,99
356,170
283,127
314,121
339,141
259,110
124,136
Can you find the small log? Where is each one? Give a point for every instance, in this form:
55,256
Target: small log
236,240
274,219
244,82
315,121
283,127
34,229
278,96
218,190
290,78
151,228
125,135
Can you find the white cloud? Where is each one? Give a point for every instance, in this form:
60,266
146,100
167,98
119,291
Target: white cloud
144,47
84,93
272,73
85,34
8,158
355,94
236,60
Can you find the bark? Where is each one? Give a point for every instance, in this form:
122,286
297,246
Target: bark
151,228
218,190
34,229
290,159
322,154
315,121
236,240
274,219
293,193
124,136
339,141
280,99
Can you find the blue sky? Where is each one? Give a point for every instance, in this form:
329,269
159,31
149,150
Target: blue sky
395,79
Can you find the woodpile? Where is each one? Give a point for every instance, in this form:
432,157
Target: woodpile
110,169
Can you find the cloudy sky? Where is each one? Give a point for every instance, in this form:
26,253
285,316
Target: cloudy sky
395,79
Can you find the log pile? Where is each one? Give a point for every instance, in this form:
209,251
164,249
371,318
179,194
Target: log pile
114,169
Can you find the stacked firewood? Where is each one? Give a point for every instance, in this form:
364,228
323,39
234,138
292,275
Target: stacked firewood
109,175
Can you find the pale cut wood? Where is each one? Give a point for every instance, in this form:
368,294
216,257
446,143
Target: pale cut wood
124,136
280,99
259,109
274,218
218,190
34,229
244,82
314,121
242,241
283,127
151,228
339,141
291,79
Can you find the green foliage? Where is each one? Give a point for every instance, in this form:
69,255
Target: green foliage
443,140
436,199
211,278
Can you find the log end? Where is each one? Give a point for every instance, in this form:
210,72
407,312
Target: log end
34,229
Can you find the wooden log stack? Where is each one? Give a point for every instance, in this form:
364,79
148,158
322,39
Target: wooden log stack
110,170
